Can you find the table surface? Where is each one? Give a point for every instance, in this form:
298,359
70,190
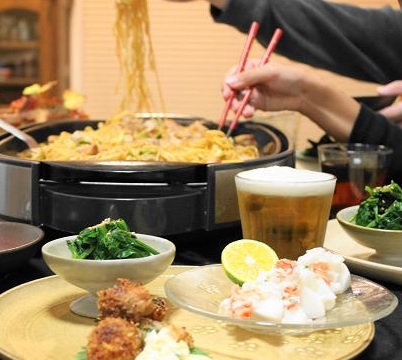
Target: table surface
387,343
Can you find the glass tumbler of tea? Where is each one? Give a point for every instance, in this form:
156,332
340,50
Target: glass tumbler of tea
286,208
355,167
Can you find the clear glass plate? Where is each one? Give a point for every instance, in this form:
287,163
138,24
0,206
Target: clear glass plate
202,289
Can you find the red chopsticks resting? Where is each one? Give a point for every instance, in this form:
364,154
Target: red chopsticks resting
264,60
240,67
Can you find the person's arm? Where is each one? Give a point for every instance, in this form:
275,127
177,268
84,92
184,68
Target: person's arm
329,108
278,87
363,43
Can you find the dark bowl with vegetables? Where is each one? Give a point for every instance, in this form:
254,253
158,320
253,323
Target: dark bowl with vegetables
377,221
98,255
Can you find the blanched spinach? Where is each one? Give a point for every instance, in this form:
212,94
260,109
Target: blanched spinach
111,239
382,209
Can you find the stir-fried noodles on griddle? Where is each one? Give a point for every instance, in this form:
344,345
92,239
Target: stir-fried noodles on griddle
130,137
127,137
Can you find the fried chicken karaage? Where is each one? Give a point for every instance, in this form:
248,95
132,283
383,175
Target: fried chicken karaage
114,338
130,301
128,313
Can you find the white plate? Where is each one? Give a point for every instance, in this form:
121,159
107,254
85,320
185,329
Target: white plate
201,291
360,259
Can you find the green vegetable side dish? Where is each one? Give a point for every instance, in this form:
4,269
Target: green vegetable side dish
111,239
382,209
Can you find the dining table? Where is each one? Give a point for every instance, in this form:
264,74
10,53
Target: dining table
204,248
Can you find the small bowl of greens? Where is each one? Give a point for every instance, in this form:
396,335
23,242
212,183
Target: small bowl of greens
98,255
377,222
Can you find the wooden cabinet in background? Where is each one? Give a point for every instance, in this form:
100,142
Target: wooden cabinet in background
33,45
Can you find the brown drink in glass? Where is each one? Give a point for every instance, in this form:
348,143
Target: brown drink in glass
355,167
284,207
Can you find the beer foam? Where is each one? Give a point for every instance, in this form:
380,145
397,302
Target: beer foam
284,180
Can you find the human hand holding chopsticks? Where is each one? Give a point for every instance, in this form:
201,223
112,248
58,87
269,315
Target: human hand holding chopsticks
275,87
281,87
264,60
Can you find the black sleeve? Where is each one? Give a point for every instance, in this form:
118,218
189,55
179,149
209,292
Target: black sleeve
361,43
373,128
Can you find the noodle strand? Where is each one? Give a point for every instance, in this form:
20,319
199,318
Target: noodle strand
135,52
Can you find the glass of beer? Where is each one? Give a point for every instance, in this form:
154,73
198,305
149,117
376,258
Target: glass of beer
355,167
286,208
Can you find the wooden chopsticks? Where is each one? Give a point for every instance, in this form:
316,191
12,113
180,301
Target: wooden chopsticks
264,60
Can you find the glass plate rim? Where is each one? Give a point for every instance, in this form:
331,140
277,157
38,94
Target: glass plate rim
275,326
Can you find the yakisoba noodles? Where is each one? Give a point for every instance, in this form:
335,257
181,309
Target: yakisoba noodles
135,55
127,137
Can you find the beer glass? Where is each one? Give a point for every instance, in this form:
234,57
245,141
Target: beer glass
355,166
286,208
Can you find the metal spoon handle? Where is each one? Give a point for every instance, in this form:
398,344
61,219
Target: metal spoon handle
28,139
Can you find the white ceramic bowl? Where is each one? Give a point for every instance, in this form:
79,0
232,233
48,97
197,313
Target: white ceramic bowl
387,243
94,275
